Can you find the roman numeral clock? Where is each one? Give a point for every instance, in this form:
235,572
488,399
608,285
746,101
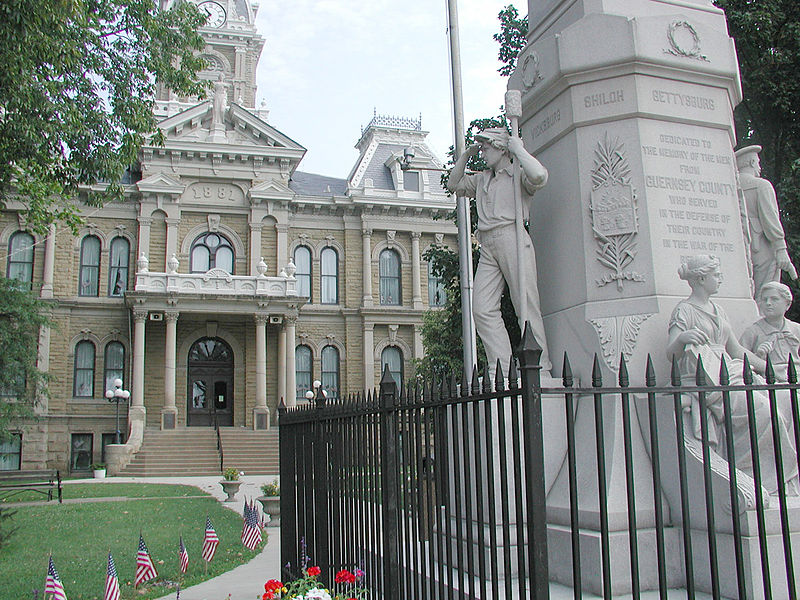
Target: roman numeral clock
214,13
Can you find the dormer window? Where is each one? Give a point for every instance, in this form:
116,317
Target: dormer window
411,181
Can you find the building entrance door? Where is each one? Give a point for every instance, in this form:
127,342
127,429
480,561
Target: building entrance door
210,383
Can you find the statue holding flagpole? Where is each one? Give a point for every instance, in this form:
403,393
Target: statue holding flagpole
502,194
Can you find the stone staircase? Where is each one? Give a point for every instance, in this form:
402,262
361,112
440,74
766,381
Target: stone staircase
193,451
254,452
177,452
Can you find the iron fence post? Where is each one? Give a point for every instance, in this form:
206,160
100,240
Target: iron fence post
321,491
288,481
389,477
529,354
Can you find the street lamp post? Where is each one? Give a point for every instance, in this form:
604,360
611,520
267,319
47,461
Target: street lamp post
116,396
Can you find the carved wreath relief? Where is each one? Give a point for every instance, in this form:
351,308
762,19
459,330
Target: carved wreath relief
684,41
531,72
614,213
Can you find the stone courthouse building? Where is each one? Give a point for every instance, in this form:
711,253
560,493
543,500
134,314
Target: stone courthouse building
226,280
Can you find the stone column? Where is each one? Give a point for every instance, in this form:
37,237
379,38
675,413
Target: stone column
366,238
291,367
172,237
369,358
260,411
255,247
169,413
282,366
139,320
49,263
416,288
144,236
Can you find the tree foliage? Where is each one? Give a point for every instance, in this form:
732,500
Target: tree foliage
21,382
77,93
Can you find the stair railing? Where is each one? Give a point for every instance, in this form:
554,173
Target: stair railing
219,443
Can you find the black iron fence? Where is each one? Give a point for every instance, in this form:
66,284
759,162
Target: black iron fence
446,490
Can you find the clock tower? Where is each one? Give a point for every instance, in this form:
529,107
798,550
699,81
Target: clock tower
233,47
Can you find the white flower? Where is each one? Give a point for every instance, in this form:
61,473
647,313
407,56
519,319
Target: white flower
318,594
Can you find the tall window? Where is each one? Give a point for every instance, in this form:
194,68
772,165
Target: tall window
302,362
389,270
118,266
411,181
436,292
20,257
81,451
114,364
89,275
211,251
11,453
329,268
83,381
302,260
330,371
393,356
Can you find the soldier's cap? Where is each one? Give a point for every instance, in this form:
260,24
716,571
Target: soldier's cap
743,154
493,135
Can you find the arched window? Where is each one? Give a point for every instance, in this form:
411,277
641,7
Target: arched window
211,251
20,257
114,364
329,275
330,371
83,379
89,275
389,270
302,365
118,266
437,296
393,356
302,260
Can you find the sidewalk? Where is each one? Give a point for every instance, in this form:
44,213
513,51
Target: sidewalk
245,582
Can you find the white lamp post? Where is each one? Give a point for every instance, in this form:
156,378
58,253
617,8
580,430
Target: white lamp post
116,396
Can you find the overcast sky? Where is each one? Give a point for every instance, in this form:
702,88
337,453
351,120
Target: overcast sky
327,64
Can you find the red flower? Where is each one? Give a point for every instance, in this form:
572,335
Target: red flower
273,585
268,595
313,571
345,576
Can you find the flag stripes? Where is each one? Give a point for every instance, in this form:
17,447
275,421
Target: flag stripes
112,581
145,569
53,585
210,541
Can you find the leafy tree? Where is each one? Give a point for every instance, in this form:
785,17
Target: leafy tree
77,91
21,382
767,38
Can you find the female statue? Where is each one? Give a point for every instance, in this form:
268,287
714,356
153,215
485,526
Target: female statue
698,327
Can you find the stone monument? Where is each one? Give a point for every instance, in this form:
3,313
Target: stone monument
629,105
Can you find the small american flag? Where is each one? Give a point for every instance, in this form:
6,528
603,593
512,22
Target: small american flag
210,541
145,569
52,584
183,556
112,582
251,532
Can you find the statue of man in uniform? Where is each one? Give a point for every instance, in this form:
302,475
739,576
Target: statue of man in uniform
494,195
767,242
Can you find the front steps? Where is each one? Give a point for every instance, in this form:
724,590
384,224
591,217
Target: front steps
193,451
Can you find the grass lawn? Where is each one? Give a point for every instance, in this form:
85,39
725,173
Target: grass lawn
108,490
80,536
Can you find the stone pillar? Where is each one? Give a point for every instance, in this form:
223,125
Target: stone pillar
282,366
49,263
416,288
369,358
144,236
419,347
366,268
282,230
291,367
172,237
255,247
139,320
260,411
169,413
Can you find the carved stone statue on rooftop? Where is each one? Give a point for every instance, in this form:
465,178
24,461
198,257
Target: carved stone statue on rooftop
219,101
767,242
774,335
494,194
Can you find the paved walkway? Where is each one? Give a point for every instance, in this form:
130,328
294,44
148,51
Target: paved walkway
245,581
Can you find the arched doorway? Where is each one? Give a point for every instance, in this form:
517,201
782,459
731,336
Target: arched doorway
210,383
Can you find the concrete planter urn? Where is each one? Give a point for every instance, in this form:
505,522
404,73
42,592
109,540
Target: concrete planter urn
99,471
230,488
272,506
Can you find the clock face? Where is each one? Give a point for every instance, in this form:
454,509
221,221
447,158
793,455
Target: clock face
213,12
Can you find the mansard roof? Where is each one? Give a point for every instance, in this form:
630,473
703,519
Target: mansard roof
309,184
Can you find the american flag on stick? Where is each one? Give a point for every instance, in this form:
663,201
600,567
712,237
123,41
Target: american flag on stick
145,569
210,541
52,585
183,556
112,581
251,532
